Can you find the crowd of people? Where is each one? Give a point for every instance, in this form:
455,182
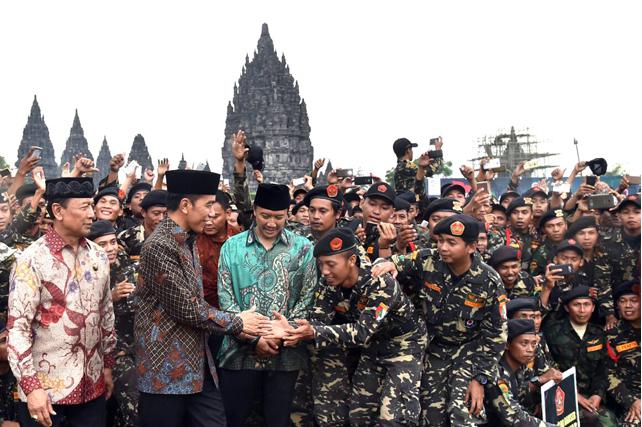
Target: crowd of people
174,299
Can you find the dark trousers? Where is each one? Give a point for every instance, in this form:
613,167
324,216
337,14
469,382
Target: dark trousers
92,413
241,388
204,409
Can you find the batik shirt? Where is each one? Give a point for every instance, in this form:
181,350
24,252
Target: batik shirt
281,279
61,320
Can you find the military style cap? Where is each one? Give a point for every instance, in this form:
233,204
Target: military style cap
255,157
598,166
507,194
382,190
449,187
632,200
328,192
154,198
551,215
351,196
274,197
100,229
69,188
580,224
24,191
519,202
503,254
536,191
517,327
401,204
334,242
445,204
299,191
568,245
576,293
409,197
459,225
195,182
295,209
401,145
631,287
518,304
108,191
140,186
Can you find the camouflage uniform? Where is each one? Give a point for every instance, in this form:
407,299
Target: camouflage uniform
383,322
466,321
543,361
405,176
501,397
15,235
624,256
541,258
132,240
598,273
588,355
525,286
623,344
8,392
527,242
125,393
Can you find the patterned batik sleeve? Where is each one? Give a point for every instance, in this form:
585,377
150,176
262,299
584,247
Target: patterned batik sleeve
380,300
160,267
24,299
226,296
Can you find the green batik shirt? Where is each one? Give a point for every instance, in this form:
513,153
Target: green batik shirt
281,279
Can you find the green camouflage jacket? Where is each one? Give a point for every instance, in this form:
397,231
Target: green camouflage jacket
623,345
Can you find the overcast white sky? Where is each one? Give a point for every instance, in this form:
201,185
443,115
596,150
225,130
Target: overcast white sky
370,73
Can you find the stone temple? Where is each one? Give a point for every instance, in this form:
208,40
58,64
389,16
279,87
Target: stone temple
76,144
36,134
267,106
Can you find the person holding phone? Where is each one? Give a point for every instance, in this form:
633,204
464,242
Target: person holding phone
409,176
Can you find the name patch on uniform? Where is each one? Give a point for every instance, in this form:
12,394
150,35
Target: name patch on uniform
504,389
594,348
626,346
381,311
474,301
432,286
502,310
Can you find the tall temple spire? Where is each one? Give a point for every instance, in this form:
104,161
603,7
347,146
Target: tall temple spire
267,105
102,162
36,133
140,153
76,144
182,164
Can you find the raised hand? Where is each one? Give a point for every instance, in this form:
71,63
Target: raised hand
27,163
116,163
239,147
258,176
163,167
319,164
38,175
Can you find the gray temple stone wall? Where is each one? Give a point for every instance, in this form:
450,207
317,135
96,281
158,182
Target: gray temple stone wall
36,133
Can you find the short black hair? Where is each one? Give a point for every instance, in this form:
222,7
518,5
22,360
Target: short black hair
50,203
223,199
174,199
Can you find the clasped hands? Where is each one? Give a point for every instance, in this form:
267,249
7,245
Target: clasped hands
278,329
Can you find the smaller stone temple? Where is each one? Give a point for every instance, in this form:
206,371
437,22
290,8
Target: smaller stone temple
140,153
102,162
76,144
36,134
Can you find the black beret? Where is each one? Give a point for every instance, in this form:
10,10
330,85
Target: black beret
183,181
295,209
445,204
598,166
255,157
328,192
628,201
498,207
139,186
580,224
401,145
351,196
274,197
24,191
69,188
401,204
536,191
519,202
409,197
154,198
551,215
523,303
517,327
101,228
449,187
503,254
568,245
334,242
382,190
459,225
575,293
107,191
507,194
631,287
299,191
